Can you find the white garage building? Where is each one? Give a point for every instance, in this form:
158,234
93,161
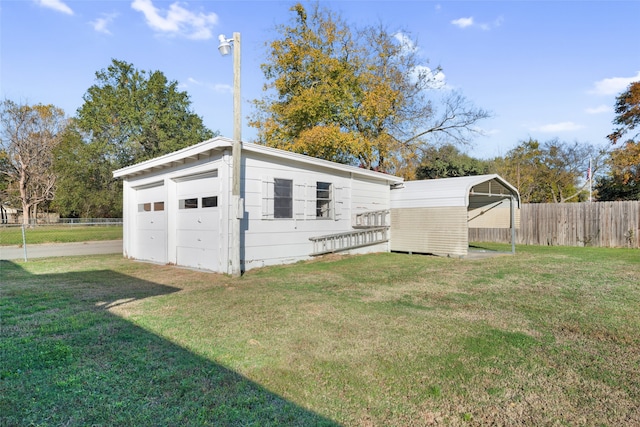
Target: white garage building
177,208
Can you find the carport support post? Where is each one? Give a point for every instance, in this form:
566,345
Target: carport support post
238,209
513,224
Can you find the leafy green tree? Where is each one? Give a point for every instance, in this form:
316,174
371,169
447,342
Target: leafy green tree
448,161
522,167
358,96
87,188
610,189
138,115
29,135
623,180
551,172
128,116
627,114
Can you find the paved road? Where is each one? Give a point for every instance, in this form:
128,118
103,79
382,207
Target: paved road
61,249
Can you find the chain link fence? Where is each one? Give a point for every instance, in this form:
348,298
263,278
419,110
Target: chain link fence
68,236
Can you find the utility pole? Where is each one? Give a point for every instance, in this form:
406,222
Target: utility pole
237,205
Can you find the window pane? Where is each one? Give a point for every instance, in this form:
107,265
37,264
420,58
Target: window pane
210,202
283,187
144,207
158,206
283,200
188,204
323,200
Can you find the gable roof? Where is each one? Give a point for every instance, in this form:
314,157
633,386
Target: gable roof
206,148
450,191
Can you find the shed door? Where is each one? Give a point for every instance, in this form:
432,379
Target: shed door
198,222
151,223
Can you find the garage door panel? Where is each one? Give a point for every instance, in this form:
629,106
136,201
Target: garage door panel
151,221
198,223
198,258
151,224
154,245
198,239
198,220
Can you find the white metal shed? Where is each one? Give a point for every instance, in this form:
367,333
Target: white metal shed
434,216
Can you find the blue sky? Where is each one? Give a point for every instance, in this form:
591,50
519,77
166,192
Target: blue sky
545,69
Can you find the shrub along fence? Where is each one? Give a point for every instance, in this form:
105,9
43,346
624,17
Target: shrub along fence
602,224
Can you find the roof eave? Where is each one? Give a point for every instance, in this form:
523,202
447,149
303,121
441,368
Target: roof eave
320,162
193,152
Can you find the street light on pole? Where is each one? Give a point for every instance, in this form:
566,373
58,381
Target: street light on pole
238,210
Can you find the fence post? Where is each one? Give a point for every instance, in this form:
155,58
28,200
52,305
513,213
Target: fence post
24,243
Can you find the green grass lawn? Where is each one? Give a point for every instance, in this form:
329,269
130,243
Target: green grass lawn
59,234
549,336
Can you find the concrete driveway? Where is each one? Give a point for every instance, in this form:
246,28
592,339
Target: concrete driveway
46,250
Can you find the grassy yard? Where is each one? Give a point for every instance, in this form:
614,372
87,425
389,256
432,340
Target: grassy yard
549,336
12,235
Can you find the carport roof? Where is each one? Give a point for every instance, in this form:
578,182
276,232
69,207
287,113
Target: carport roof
204,149
446,192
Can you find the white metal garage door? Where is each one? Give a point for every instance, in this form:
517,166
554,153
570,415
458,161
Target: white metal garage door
198,222
151,223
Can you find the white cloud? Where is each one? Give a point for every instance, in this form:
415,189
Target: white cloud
406,42
217,87
58,5
470,22
599,109
491,132
613,85
101,24
558,127
177,20
222,88
437,79
463,22
495,24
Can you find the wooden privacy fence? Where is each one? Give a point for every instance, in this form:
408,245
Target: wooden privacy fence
603,224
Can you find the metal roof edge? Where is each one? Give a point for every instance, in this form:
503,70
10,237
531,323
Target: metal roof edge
223,142
176,156
462,186
487,177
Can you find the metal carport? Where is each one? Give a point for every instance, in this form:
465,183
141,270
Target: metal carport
434,216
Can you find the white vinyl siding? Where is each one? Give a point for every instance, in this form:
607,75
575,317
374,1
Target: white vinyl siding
270,241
